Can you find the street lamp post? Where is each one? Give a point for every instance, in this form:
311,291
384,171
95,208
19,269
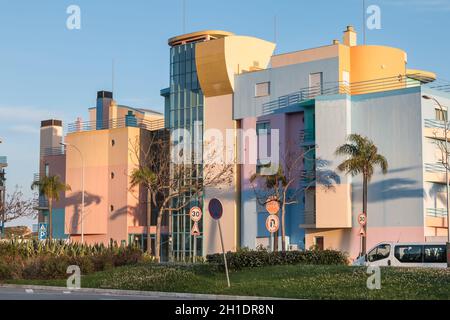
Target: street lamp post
82,187
445,115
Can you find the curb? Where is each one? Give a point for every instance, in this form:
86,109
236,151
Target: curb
168,295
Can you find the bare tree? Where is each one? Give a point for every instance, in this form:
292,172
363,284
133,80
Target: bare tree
172,186
290,180
18,206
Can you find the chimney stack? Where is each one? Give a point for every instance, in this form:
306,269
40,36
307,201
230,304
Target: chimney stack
350,37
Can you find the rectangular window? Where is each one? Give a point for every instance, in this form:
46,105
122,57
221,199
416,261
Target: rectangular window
441,115
262,89
409,254
435,254
315,84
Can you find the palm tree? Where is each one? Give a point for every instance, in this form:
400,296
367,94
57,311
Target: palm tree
362,156
145,176
50,187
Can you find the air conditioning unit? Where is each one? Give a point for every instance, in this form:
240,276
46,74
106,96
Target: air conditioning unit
293,247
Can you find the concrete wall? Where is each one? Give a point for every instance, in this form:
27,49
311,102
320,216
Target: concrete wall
217,117
283,80
109,209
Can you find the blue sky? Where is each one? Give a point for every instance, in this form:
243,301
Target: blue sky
48,71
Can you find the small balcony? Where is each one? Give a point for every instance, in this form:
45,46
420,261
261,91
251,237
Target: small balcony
3,162
307,137
436,218
41,203
434,172
435,129
309,219
436,212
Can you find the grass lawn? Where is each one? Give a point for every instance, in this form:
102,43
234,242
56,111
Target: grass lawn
301,282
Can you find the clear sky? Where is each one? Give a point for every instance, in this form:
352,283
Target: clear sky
48,71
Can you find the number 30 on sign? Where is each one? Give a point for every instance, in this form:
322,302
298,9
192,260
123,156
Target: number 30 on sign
196,214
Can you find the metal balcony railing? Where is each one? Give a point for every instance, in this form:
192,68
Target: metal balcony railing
79,126
355,88
309,217
3,161
57,151
307,177
435,167
436,212
307,136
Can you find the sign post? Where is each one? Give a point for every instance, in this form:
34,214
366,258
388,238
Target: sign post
273,207
196,215
42,231
215,209
362,220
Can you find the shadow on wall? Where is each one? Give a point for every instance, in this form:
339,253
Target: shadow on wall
392,189
437,192
128,210
75,201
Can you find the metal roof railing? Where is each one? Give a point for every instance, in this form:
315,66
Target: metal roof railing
79,126
354,88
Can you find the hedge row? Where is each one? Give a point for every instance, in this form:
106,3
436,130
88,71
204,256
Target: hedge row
259,258
51,261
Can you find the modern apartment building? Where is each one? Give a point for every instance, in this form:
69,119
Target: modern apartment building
316,98
97,157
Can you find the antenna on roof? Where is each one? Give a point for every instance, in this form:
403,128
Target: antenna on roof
275,30
112,74
184,16
364,22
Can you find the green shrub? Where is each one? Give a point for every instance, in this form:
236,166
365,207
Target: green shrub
259,258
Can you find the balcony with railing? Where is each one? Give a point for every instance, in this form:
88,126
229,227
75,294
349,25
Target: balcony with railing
3,161
434,172
56,151
435,129
128,121
308,218
355,88
436,218
307,137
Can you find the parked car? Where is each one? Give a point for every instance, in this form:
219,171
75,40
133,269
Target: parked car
405,254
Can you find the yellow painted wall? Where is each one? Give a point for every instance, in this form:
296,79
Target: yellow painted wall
219,60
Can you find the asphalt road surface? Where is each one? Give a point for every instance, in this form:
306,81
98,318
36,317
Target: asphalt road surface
29,294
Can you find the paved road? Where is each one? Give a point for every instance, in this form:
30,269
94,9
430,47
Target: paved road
29,294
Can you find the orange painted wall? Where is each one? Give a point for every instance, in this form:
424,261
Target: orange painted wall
110,208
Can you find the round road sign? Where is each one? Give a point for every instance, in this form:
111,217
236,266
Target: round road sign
362,219
215,208
272,223
273,206
196,214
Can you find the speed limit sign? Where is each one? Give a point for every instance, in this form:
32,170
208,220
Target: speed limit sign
196,214
362,219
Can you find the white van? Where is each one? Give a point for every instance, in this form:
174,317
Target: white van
406,254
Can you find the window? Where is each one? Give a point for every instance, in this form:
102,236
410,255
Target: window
47,170
409,254
112,175
262,128
379,253
315,84
435,254
441,115
262,89
111,208
319,242
113,142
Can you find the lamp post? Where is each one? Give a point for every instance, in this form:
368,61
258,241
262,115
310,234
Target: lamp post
445,115
82,187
